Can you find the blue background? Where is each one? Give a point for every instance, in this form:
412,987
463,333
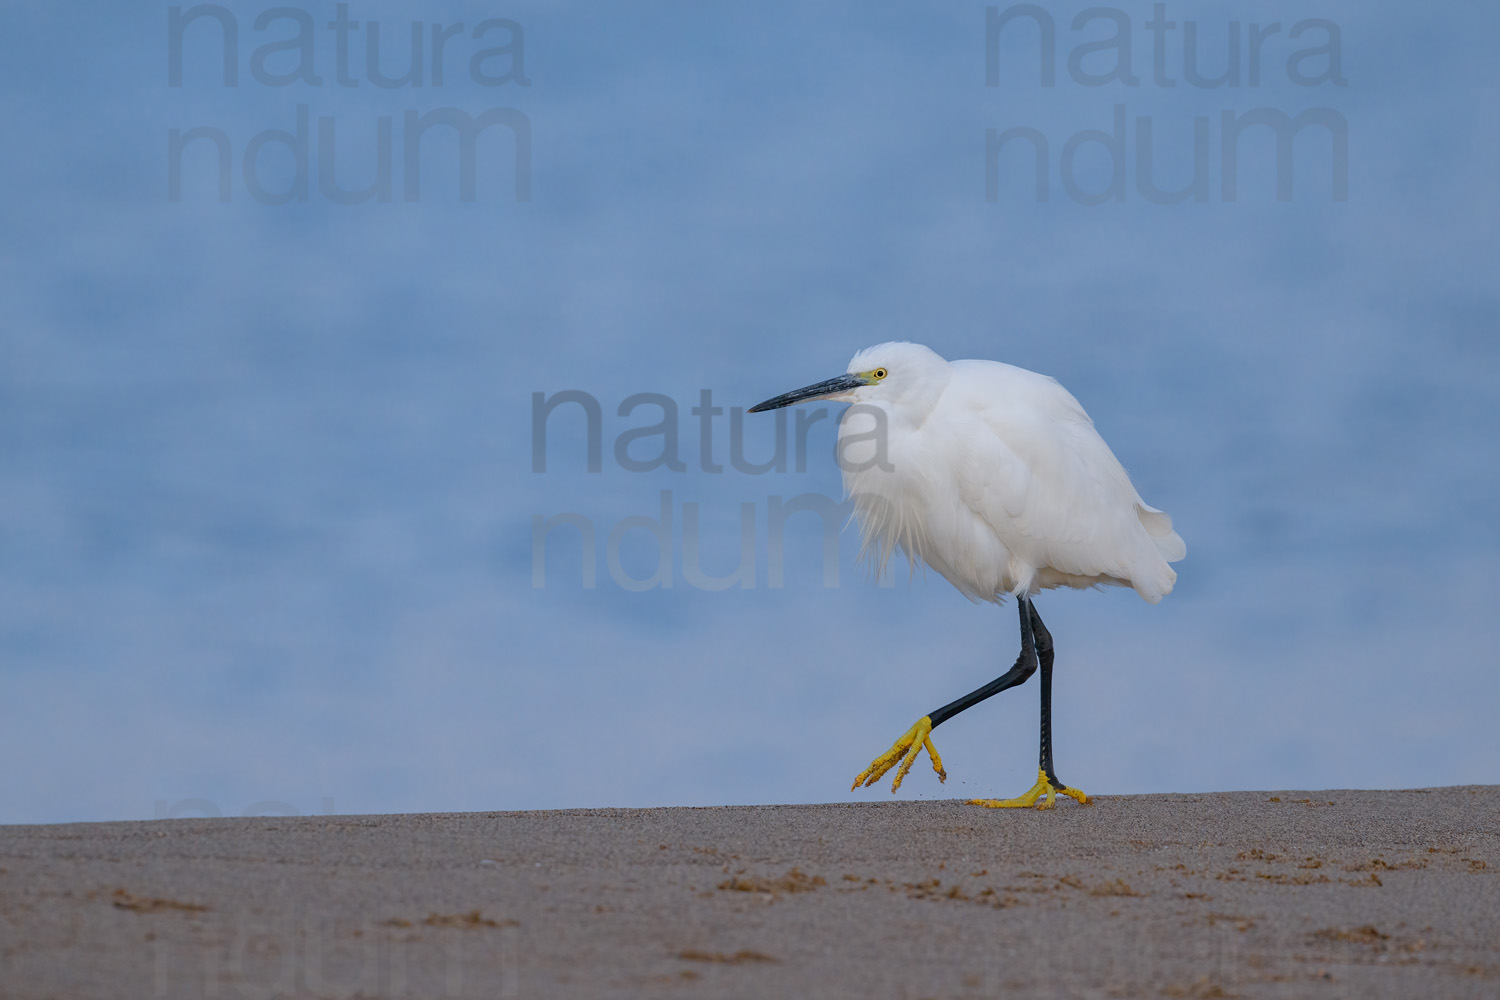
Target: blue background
266,487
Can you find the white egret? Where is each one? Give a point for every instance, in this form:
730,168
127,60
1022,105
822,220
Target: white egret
995,477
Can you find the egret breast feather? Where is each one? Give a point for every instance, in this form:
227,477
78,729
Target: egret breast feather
999,481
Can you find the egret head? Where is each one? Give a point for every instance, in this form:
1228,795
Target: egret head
885,372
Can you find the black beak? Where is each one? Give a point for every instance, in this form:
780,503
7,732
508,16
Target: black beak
832,387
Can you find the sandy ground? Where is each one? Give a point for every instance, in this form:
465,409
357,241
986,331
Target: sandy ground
1265,894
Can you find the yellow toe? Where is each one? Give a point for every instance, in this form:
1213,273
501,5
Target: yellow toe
1029,798
904,751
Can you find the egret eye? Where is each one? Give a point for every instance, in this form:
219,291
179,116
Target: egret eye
879,373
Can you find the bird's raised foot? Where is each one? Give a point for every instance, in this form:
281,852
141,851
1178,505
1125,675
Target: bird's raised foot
1043,786
905,752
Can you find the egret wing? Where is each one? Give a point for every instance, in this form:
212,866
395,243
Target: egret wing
1050,488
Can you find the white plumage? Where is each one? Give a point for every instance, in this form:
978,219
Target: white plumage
996,478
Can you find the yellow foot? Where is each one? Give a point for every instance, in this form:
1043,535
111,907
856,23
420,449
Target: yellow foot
905,751
1042,787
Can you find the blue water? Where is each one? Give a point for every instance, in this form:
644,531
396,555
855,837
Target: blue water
266,487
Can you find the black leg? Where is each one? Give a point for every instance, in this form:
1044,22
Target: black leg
1026,665
1044,655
